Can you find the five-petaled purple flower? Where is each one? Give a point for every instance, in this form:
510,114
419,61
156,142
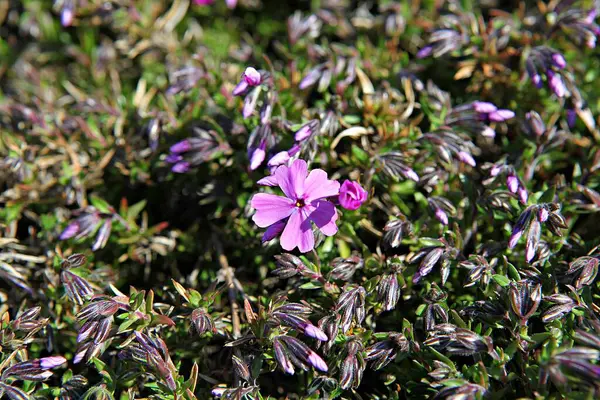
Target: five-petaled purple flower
352,195
304,202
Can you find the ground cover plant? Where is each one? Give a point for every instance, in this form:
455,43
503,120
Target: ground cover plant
259,199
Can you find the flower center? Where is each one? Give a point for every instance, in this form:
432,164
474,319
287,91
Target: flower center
300,203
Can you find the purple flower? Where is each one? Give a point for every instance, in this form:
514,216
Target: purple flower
304,202
352,195
425,52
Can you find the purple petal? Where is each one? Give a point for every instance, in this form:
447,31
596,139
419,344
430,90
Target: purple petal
324,214
523,195
240,88
291,180
298,233
514,238
270,180
317,186
273,231
270,208
543,214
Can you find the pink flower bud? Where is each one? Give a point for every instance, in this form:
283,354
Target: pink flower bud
252,76
543,214
352,195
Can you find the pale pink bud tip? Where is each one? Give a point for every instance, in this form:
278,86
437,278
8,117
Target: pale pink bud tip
252,76
316,333
529,253
543,214
514,239
513,183
441,216
52,362
484,107
316,361
466,158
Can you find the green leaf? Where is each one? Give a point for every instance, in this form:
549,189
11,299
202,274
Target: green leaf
100,204
501,280
548,195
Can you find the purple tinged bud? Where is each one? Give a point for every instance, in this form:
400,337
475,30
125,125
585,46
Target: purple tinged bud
52,362
514,238
66,17
240,88
512,182
293,150
278,159
523,195
173,158
70,231
257,156
466,158
496,169
501,115
558,60
231,4
591,42
316,361
488,132
484,107
591,16
441,216
529,252
302,133
311,78
556,83
274,230
270,180
252,76
314,332
181,147
218,392
412,175
425,52
543,214
571,117
537,81
181,167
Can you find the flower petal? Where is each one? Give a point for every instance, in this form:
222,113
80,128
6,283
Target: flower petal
298,233
317,186
291,180
324,214
270,208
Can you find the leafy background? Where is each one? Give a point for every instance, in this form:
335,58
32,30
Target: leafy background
89,111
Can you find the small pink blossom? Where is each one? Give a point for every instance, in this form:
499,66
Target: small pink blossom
304,202
352,195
